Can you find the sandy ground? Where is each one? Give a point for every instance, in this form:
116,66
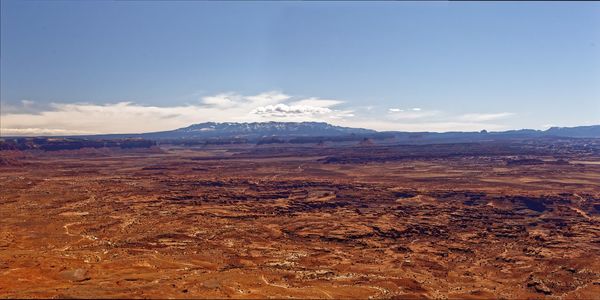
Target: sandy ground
196,223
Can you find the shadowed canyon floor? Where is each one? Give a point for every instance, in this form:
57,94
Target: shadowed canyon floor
447,221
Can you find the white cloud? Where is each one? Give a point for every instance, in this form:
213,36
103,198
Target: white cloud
309,107
399,110
23,106
267,98
399,114
129,117
283,110
31,118
41,131
27,103
84,118
482,117
433,126
317,102
417,119
229,100
224,100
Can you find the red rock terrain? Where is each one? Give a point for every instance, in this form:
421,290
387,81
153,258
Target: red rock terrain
509,220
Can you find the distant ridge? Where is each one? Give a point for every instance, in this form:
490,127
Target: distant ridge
320,131
308,131
259,129
579,131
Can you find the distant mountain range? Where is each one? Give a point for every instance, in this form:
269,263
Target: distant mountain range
286,133
309,132
257,130
321,131
580,131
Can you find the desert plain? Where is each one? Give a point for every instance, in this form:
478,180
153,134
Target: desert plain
510,220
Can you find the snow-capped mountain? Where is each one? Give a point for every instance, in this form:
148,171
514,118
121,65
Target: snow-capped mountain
258,129
318,131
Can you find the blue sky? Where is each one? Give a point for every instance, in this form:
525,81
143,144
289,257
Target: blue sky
134,66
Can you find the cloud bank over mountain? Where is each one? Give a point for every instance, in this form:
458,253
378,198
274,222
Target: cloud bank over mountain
59,118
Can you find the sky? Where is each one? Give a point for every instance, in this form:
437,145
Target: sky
82,67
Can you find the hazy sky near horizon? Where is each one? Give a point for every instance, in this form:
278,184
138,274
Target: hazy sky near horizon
134,66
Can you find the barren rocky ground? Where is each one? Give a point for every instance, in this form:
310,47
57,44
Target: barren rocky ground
305,222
